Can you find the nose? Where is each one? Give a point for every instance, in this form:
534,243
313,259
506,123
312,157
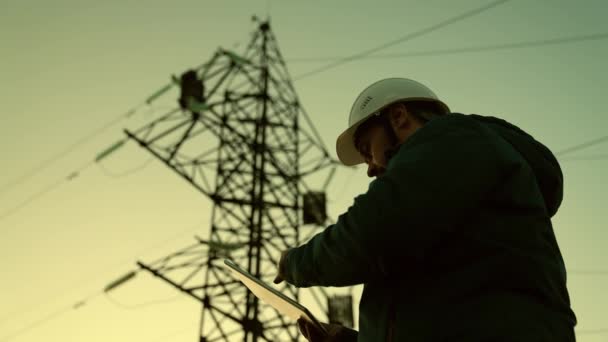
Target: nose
372,170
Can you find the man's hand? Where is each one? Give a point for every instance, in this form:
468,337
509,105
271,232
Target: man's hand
335,332
281,268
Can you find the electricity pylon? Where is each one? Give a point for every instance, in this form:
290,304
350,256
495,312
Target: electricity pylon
239,119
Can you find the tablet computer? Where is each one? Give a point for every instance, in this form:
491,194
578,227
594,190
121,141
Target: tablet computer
272,296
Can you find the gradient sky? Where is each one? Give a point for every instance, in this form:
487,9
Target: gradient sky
69,67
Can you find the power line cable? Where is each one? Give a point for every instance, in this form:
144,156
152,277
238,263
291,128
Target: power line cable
589,272
591,332
79,304
589,157
114,284
405,38
44,191
56,314
144,304
50,161
53,159
268,7
73,175
36,324
583,145
173,334
111,174
52,316
100,156
439,52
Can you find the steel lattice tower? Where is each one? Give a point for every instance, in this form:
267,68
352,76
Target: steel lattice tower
240,120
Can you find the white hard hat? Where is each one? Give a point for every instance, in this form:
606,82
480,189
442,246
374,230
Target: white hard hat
371,101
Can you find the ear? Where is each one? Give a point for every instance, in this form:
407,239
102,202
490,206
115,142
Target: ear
399,116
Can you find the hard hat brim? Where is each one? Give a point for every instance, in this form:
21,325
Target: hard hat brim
345,146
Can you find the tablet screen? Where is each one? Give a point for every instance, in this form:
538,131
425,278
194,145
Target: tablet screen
272,296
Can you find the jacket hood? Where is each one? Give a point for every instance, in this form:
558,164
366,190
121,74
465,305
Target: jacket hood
543,163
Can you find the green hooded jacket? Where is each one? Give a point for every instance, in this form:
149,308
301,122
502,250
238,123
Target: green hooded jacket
454,242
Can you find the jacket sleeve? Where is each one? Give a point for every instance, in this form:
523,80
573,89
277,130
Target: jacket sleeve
438,177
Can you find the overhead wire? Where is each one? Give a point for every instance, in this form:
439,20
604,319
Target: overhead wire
588,158
45,190
402,39
482,48
72,147
268,7
57,313
143,304
32,326
581,146
71,176
590,272
131,171
52,316
591,332
173,334
76,173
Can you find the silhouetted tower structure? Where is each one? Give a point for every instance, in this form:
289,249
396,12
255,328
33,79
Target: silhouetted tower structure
239,119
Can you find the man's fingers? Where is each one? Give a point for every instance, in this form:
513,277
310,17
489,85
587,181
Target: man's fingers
302,328
310,331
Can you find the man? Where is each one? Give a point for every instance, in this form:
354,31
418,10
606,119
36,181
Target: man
453,239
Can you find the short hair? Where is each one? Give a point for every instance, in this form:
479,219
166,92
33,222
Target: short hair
424,110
